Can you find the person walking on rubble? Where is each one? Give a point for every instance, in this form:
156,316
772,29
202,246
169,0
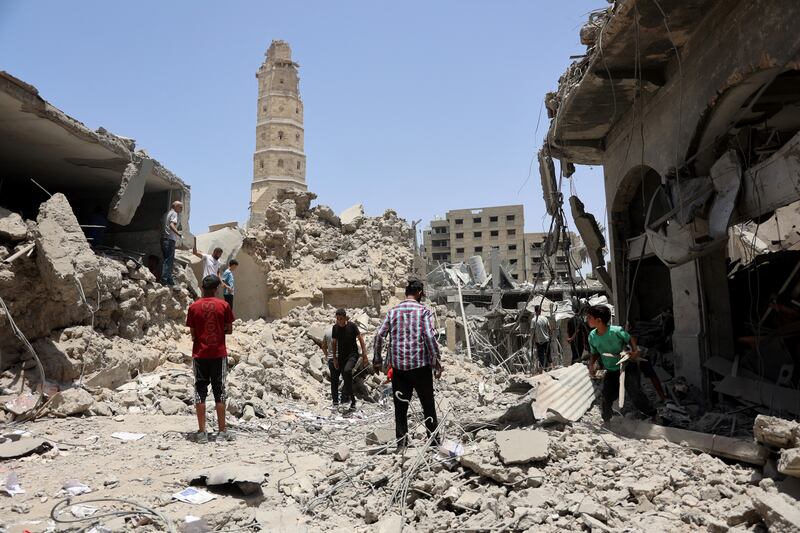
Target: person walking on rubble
209,320
606,343
414,358
540,327
345,355
170,232
211,263
228,282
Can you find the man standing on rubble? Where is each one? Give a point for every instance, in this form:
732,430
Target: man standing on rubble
607,343
540,327
345,354
209,320
413,357
211,263
170,232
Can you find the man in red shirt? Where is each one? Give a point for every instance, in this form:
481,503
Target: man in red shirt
209,320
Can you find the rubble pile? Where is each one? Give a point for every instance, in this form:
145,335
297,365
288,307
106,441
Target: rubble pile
303,249
83,312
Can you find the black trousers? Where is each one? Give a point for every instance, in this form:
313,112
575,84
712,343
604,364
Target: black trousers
346,365
404,382
334,381
543,353
229,298
633,391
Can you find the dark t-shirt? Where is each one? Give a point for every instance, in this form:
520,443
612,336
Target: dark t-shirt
346,339
208,317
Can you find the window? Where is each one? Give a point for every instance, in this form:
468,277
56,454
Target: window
459,221
510,218
536,259
297,137
263,136
261,163
494,233
440,230
281,81
459,250
280,135
280,163
264,108
492,219
512,246
297,110
515,276
478,249
536,245
512,232
298,165
459,235
476,220
512,261
477,234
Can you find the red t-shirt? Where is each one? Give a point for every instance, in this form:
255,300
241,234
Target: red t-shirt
208,317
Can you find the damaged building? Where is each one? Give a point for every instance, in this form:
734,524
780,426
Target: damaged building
106,179
693,110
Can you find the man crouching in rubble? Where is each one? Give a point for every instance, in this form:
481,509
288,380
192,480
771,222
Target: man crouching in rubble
413,357
607,343
209,320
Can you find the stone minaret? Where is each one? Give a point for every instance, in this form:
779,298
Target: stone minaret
279,161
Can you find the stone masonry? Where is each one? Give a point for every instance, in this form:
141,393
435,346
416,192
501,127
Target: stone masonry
279,161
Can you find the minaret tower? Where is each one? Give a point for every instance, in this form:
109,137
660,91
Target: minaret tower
279,161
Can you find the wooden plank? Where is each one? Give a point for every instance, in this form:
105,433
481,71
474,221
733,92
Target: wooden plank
736,449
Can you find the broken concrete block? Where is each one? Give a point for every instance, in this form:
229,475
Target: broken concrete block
519,446
775,431
248,478
789,462
469,499
169,406
109,378
342,453
326,214
13,449
589,230
590,507
380,437
777,513
351,213
71,402
12,227
131,189
63,254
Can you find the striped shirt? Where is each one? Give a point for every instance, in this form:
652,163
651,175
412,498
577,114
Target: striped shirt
412,342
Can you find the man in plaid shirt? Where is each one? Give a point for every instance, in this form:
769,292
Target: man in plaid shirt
413,356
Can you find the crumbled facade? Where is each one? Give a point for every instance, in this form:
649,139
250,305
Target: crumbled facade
691,110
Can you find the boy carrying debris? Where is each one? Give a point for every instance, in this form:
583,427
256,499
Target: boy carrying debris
607,344
209,320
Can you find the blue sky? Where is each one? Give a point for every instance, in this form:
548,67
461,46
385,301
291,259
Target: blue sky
417,106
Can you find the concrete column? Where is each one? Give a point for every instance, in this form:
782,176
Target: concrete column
701,305
451,333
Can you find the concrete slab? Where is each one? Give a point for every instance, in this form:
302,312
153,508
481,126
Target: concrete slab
127,199
248,478
777,513
519,446
13,449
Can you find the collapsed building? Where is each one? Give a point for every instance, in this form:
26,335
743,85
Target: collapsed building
692,108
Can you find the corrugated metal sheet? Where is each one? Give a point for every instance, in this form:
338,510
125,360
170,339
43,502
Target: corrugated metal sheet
564,394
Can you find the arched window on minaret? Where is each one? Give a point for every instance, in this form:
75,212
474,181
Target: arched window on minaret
297,137
298,165
280,163
280,135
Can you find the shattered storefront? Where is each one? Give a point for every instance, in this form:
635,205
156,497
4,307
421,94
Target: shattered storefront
118,193
693,109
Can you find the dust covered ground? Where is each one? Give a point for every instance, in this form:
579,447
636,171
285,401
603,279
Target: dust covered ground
316,469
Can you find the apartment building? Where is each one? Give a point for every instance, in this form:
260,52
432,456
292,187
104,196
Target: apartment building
467,232
463,233
538,267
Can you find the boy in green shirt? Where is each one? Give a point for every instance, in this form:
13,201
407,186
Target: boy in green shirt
606,343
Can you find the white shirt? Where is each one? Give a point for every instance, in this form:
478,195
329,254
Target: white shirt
171,216
211,266
541,329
